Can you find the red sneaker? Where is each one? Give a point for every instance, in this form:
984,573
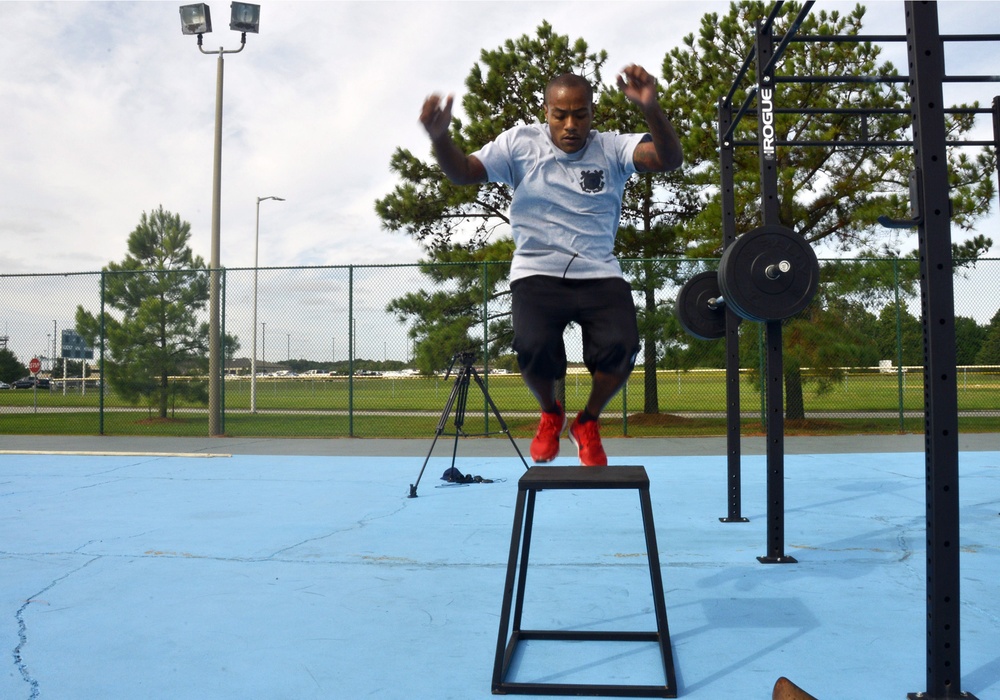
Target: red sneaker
545,446
587,439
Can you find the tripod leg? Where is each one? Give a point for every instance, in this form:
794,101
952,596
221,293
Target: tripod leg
463,396
455,390
462,383
496,412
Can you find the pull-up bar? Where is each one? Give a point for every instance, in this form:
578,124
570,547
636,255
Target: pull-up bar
743,110
748,61
880,79
881,38
790,36
779,50
740,74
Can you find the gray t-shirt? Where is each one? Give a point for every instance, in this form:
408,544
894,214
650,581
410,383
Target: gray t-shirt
566,207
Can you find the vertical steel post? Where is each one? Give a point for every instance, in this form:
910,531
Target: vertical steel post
762,373
775,449
350,350
774,388
932,212
486,344
214,397
253,357
734,487
996,132
104,378
899,344
222,353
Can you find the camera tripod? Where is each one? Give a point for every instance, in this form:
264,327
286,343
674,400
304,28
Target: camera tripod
457,400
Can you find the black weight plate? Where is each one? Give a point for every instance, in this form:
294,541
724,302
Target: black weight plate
693,311
744,280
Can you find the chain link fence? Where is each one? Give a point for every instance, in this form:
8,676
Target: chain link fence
377,351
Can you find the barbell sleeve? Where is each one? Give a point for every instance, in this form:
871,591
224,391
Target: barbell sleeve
775,270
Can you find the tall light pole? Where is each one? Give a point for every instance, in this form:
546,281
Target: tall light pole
253,359
196,19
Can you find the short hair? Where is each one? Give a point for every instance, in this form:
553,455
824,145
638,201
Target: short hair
571,81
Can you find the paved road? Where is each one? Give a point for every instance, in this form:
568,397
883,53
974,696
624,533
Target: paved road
617,448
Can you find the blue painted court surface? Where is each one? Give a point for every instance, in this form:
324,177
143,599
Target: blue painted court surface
301,569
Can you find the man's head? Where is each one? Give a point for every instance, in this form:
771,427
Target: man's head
569,111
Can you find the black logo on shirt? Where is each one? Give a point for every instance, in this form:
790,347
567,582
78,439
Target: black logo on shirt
592,181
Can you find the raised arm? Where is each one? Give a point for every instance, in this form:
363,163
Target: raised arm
663,153
456,165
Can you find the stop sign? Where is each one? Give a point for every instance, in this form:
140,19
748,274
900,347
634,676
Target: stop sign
35,365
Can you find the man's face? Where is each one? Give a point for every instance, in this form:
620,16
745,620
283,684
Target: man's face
569,114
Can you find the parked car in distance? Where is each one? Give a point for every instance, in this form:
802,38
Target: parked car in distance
4,385
30,382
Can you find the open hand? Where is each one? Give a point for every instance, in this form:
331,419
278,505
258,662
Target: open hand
436,115
638,85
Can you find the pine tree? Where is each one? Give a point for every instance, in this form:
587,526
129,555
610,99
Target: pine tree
156,291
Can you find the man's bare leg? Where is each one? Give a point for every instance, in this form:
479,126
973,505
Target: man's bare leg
604,386
544,391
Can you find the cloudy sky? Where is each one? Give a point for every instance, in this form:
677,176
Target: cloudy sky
108,112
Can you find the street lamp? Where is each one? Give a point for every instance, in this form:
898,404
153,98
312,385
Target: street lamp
253,359
197,19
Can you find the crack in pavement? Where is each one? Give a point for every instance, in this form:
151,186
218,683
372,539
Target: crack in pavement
360,524
22,629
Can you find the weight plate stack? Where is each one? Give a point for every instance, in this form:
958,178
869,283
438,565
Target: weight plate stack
695,313
768,274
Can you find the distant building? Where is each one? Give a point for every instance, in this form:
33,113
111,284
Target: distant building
241,366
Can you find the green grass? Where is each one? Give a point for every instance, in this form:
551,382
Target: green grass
690,403
394,426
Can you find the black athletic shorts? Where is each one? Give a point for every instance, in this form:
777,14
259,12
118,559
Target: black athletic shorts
543,306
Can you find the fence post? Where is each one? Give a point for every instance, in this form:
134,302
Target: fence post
100,362
899,343
625,409
350,350
223,350
486,345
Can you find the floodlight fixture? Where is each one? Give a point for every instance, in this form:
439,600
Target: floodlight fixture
196,19
245,17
